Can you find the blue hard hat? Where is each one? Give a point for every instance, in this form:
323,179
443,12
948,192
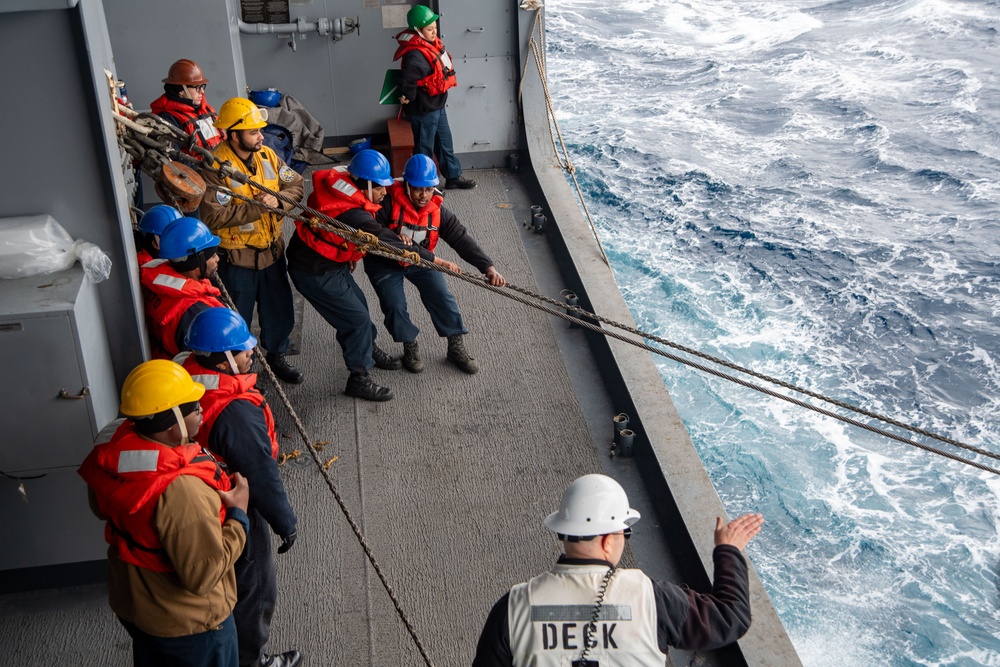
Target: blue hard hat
156,219
421,172
372,166
184,237
219,330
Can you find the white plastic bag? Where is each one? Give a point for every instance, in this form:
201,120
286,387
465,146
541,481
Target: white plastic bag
37,244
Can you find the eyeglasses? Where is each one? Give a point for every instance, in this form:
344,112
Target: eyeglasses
200,87
627,533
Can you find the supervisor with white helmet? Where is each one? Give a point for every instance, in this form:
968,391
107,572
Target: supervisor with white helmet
549,621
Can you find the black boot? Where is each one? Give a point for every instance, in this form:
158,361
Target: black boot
384,361
361,385
411,357
458,355
286,659
459,183
284,370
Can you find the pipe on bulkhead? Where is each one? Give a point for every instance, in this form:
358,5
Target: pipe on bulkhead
322,26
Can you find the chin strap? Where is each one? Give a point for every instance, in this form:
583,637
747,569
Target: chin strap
232,363
180,424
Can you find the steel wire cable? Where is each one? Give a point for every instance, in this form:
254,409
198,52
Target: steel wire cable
562,307
372,244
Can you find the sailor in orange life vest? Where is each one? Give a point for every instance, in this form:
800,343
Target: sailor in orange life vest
640,619
320,264
238,427
177,286
413,210
176,523
183,103
253,266
426,74
147,233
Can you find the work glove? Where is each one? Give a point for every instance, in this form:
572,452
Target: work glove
287,541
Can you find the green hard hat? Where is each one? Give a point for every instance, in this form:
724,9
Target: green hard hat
419,17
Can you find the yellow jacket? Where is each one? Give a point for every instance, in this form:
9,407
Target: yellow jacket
246,230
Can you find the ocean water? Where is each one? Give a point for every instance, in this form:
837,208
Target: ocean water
812,189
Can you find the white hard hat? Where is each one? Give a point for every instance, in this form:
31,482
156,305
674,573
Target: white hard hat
592,505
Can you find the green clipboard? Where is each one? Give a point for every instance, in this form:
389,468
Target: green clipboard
390,88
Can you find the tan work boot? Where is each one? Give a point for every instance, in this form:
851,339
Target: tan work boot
411,357
458,355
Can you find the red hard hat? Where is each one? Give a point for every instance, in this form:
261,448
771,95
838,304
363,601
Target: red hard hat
185,72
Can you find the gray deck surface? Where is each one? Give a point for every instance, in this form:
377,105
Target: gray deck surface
449,481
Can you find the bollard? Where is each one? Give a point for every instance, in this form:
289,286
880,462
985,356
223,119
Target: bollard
625,441
512,161
535,210
538,223
621,423
571,299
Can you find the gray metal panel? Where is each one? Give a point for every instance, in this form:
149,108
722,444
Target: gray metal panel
50,524
147,38
51,338
66,149
476,30
337,81
482,107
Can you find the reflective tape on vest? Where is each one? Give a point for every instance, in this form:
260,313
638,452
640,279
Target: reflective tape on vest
269,174
138,460
580,612
210,381
207,129
417,234
344,186
173,282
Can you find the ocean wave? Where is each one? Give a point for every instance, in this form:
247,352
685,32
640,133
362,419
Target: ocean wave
813,191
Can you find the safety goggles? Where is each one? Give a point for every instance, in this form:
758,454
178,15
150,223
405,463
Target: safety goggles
254,115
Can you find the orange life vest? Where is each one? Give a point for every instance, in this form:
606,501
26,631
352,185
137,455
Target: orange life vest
128,476
442,76
198,122
333,193
220,390
422,226
167,296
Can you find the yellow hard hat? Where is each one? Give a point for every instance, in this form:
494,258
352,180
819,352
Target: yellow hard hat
156,386
240,113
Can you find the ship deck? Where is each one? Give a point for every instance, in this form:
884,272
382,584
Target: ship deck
448,481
